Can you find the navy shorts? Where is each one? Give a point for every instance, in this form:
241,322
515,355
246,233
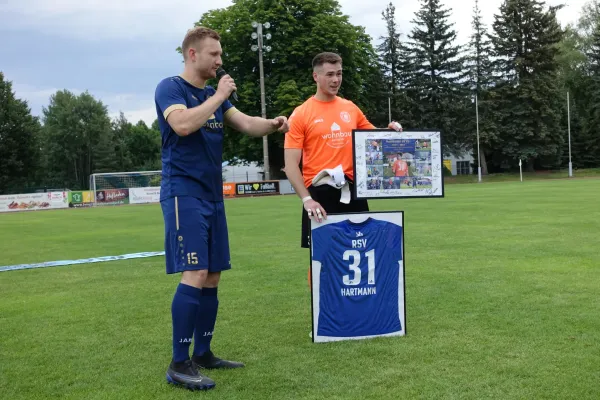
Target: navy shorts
196,235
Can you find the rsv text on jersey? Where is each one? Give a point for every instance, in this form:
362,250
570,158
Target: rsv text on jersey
359,244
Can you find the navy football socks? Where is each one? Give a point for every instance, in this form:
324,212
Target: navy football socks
205,320
184,309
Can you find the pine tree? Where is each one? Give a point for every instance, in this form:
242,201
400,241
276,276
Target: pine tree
480,49
526,101
480,80
591,138
393,64
436,82
389,51
121,130
582,140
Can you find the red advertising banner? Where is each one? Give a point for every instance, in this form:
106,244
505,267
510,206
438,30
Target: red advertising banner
112,196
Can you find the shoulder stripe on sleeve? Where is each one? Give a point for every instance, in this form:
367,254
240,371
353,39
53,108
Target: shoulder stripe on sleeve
173,108
230,112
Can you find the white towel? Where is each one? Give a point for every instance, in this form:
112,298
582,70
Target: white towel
334,177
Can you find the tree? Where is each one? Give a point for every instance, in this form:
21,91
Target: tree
121,130
76,138
478,61
300,29
480,72
436,85
389,53
592,128
104,158
526,100
393,65
586,25
143,145
19,152
574,79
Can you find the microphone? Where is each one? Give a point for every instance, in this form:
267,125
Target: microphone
221,73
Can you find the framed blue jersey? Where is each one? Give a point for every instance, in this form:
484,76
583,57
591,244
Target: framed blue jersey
357,273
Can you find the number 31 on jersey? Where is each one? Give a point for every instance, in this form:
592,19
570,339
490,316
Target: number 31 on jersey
355,257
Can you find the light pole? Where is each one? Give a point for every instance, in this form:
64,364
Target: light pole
569,133
477,122
258,35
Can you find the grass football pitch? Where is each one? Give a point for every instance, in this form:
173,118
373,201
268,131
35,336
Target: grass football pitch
502,295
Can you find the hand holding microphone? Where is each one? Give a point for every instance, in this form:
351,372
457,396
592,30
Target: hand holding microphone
227,83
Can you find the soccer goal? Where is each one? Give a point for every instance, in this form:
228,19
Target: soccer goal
115,188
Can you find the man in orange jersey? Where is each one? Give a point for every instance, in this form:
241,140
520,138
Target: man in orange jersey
320,136
400,169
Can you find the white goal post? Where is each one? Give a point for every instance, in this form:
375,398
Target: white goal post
115,188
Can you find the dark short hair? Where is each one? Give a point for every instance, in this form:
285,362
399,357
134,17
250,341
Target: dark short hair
326,58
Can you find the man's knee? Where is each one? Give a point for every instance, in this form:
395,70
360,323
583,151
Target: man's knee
194,278
212,279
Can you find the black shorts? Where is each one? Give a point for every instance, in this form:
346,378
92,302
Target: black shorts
329,198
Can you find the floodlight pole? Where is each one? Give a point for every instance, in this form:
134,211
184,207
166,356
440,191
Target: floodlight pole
569,133
259,37
477,123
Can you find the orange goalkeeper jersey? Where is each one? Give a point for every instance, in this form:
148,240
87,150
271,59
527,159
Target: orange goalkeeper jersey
400,168
323,130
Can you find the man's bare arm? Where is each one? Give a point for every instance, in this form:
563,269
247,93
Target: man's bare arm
256,126
292,159
186,122
292,170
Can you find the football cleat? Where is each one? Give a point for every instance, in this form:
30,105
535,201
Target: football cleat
209,361
186,374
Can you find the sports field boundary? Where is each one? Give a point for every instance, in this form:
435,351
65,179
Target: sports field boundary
81,261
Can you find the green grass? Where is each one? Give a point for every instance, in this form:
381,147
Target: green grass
502,291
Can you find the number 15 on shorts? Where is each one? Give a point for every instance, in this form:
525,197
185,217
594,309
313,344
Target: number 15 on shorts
192,258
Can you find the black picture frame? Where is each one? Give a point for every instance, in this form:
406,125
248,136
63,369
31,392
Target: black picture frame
368,214
360,189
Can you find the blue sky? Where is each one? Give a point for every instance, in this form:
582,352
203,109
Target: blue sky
119,51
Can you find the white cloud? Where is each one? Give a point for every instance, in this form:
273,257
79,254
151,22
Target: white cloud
148,115
135,106
117,19
37,97
32,93
105,19
368,14
154,20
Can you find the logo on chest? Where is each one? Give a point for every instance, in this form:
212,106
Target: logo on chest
213,124
337,137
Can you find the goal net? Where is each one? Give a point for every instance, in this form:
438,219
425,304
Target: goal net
114,188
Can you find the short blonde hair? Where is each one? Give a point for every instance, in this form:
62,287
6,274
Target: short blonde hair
196,34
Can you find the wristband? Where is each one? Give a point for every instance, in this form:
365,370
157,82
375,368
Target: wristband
305,199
